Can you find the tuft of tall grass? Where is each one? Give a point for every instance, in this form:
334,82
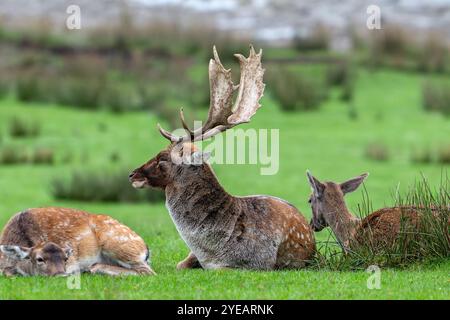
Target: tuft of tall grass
43,156
422,156
393,46
338,74
434,56
14,154
5,87
429,239
436,97
102,186
294,91
21,128
29,87
121,98
443,154
377,151
10,155
317,40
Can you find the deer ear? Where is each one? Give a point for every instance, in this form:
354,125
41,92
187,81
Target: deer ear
15,252
316,186
352,184
198,157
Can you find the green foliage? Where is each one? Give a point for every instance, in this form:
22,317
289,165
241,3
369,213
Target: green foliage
318,40
5,87
342,75
102,186
29,87
377,151
43,156
422,156
14,154
443,155
22,128
434,56
294,91
10,155
436,97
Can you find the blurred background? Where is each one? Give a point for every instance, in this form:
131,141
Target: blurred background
78,108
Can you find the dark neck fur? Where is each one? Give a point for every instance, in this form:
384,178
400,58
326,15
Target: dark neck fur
198,196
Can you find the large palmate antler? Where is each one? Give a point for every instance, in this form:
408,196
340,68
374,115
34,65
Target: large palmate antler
222,113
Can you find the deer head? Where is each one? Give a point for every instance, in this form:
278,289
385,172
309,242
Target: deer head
182,159
47,259
327,200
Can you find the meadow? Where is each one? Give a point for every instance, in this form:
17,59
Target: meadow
329,141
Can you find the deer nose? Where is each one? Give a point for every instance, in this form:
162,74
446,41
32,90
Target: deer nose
130,176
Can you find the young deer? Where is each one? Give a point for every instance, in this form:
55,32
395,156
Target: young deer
380,228
60,241
221,230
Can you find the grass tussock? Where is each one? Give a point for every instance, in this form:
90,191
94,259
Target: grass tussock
294,91
428,240
102,186
395,46
15,155
342,75
377,151
443,155
43,155
22,128
10,155
422,156
317,40
436,97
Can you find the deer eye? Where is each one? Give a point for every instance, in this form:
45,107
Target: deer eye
309,200
40,260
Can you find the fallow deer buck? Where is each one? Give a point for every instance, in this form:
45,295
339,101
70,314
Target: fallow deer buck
379,230
221,230
60,241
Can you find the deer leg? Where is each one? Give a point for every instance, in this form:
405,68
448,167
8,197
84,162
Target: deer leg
110,270
190,262
143,269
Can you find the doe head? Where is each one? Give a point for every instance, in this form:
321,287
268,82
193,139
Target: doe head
327,198
46,259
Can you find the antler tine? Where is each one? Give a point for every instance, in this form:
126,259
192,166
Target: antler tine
166,134
183,123
251,88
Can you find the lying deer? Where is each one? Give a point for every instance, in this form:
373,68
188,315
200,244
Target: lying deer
59,241
381,228
221,230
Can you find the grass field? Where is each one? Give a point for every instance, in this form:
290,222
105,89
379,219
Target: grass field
327,142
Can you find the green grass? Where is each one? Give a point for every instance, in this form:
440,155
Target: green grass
327,142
